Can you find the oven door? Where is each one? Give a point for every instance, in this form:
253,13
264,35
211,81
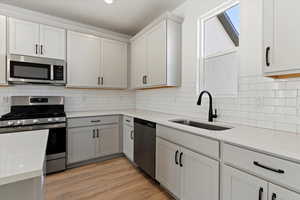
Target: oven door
29,72
56,146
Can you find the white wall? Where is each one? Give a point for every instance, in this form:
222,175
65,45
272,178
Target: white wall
261,102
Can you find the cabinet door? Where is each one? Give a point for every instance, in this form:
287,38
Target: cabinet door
83,58
3,80
199,177
81,144
281,35
167,166
53,42
108,141
138,59
23,37
114,64
278,193
238,185
128,141
157,55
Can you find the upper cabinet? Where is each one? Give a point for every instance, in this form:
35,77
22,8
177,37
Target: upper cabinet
114,64
156,54
3,50
53,42
281,38
32,39
83,60
95,62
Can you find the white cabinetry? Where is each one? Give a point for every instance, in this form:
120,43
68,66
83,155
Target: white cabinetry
265,169
186,174
281,37
81,144
156,54
94,137
83,57
32,39
278,193
94,62
108,140
238,185
167,166
114,64
3,80
128,137
53,42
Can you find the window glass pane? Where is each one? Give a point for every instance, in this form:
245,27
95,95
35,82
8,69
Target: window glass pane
234,16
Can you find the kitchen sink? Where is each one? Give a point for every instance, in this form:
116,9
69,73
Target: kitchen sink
200,125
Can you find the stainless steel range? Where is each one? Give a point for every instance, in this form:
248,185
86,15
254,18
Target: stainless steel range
37,113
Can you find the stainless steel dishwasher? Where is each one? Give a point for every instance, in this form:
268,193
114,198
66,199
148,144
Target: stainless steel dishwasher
145,145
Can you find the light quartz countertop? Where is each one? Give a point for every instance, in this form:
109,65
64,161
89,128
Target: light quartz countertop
276,143
22,155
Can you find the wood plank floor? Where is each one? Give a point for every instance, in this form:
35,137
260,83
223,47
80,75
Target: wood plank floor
116,179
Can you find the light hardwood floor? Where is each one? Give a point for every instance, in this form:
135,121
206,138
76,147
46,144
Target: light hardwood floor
116,179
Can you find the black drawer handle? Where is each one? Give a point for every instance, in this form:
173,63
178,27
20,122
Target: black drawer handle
274,196
127,120
279,171
268,56
95,121
180,159
176,157
260,194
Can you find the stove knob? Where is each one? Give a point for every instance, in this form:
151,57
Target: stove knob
10,123
57,119
18,123
35,121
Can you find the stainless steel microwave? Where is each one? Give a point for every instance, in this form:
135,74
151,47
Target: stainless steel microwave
26,69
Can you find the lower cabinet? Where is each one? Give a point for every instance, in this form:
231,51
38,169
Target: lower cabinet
128,141
238,185
186,174
108,140
85,143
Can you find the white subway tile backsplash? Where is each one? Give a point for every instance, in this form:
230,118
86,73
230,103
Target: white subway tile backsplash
76,100
262,102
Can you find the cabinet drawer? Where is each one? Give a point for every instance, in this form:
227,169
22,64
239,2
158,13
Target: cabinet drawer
274,169
197,143
92,121
128,120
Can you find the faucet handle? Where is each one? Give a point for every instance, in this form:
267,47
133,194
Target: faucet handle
215,115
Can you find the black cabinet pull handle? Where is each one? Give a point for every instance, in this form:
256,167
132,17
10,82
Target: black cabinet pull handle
176,157
180,159
127,120
36,49
95,121
268,56
274,196
260,194
97,133
279,171
42,49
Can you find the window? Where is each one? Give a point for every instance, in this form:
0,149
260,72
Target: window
230,20
219,56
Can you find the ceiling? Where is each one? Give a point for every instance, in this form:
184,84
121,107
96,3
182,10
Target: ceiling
124,16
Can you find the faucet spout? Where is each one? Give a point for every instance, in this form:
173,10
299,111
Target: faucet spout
211,115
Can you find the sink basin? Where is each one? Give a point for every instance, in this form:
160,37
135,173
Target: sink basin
200,125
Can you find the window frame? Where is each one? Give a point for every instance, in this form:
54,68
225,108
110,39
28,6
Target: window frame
201,41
